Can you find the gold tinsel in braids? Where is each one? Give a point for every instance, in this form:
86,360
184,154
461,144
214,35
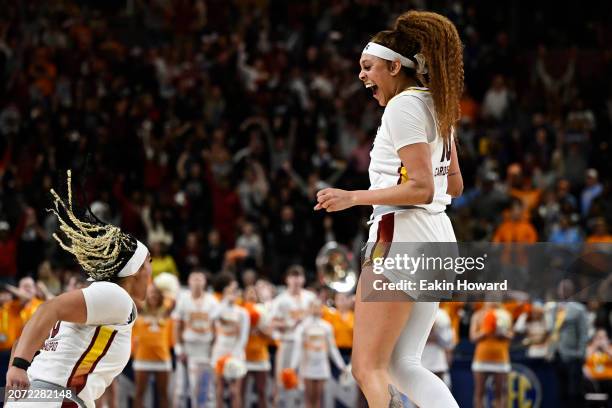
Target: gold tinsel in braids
100,249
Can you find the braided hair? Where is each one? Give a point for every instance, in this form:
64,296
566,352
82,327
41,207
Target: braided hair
101,249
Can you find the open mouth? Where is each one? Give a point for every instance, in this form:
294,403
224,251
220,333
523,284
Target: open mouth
372,88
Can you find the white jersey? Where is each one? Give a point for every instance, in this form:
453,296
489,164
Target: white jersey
291,310
232,326
314,344
409,118
87,357
197,315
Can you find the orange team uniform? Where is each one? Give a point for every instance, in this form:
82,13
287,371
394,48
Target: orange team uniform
11,324
492,350
256,350
152,338
599,366
492,353
342,325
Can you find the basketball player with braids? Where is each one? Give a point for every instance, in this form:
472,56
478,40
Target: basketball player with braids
415,71
84,336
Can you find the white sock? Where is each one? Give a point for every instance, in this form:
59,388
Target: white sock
423,387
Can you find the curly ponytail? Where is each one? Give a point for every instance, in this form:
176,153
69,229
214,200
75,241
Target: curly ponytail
437,39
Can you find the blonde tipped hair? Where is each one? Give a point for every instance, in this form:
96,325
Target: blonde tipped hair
100,249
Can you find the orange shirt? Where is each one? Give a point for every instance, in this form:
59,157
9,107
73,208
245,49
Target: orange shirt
29,309
152,338
11,324
343,326
598,239
257,347
599,365
515,231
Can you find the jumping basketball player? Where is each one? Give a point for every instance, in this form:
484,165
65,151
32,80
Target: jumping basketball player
415,71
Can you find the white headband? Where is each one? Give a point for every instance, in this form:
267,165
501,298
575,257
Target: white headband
388,54
135,261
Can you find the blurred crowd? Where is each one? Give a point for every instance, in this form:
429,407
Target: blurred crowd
206,127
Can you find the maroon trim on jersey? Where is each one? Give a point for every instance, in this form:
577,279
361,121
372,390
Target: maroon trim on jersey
384,234
78,381
71,379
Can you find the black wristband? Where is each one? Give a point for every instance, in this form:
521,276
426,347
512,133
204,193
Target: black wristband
21,363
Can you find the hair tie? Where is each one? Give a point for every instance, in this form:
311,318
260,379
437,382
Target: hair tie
421,67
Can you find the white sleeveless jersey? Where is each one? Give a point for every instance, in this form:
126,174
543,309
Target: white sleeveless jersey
409,118
314,345
232,332
197,316
87,357
291,310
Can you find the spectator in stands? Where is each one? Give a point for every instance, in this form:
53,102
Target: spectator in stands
490,200
191,255
564,195
592,189
28,295
600,232
31,244
251,242
161,260
598,366
287,241
47,277
155,226
496,102
10,325
549,212
214,252
515,228
565,232
253,190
